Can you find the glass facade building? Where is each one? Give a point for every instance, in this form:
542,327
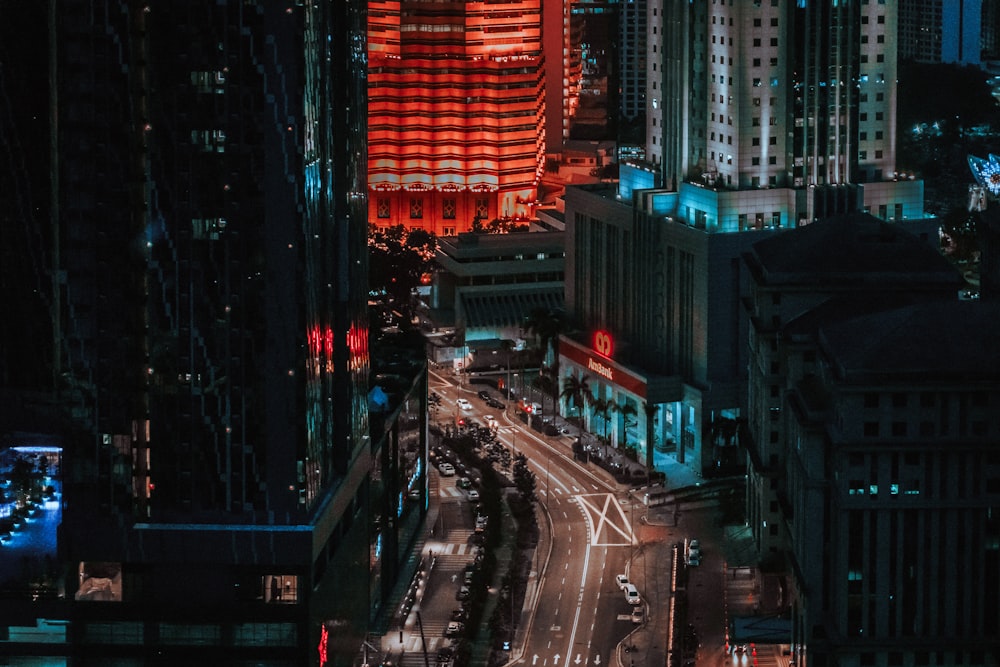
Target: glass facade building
211,211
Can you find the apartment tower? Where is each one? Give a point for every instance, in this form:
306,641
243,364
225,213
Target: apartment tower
456,112
211,165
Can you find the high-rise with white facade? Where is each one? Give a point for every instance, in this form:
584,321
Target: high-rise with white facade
777,112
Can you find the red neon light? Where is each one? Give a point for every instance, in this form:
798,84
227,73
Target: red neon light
324,637
603,343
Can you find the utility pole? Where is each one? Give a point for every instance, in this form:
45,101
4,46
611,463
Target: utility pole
423,640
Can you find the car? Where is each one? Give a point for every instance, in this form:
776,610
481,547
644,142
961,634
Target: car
638,614
491,421
694,545
414,494
445,655
481,522
463,593
464,483
454,628
483,394
632,595
693,559
495,403
473,494
622,581
464,404
446,469
459,615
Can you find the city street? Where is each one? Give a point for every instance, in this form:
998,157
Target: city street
598,528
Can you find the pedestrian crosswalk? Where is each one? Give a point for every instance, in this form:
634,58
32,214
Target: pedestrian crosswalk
453,549
450,492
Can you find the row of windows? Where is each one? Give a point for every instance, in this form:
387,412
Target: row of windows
449,208
927,399
900,429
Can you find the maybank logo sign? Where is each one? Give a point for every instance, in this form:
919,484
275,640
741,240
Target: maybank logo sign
601,369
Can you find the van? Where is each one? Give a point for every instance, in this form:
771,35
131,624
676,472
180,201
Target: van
632,595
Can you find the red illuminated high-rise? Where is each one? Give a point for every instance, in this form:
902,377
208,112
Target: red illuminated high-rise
456,112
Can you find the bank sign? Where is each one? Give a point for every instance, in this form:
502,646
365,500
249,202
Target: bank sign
598,362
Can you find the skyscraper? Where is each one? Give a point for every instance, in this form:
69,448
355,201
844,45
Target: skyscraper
212,248
456,112
794,102
942,31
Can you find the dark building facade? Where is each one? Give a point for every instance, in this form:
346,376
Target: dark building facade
210,217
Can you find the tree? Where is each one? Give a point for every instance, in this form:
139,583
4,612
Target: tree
577,391
398,259
524,479
626,410
604,407
546,325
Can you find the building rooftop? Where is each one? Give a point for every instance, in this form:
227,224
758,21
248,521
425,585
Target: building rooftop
849,249
509,308
937,341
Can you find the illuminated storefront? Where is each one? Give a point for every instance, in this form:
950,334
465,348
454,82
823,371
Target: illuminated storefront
456,111
649,411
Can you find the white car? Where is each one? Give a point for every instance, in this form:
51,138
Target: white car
491,421
463,404
447,470
622,581
632,595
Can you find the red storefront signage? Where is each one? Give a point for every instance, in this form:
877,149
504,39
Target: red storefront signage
603,368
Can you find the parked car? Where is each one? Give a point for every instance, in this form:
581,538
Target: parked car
495,403
632,595
473,494
622,581
483,394
464,483
638,614
446,469
454,628
463,593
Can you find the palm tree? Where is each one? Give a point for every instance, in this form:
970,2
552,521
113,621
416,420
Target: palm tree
604,407
546,325
626,410
577,390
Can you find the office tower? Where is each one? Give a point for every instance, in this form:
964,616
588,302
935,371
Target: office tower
456,113
851,264
632,58
750,130
873,465
562,30
211,213
942,31
794,102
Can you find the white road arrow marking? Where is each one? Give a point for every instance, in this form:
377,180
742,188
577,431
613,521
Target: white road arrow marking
534,659
577,661
597,660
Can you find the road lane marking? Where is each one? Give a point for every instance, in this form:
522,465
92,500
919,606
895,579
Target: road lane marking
605,517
